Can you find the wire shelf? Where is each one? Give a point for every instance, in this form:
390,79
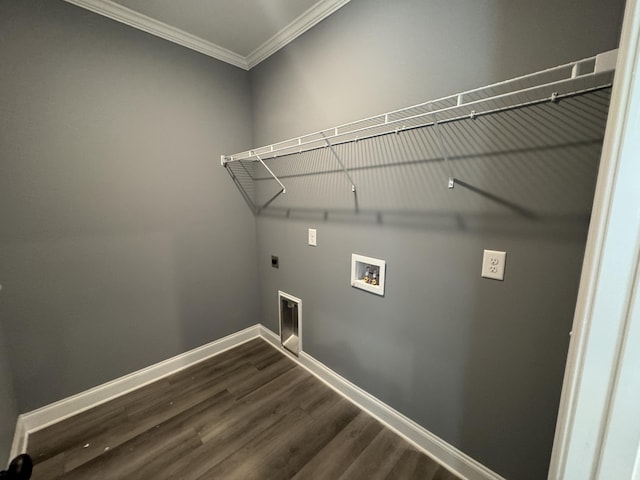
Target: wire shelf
551,86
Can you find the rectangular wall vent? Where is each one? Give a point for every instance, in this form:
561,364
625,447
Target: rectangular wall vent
290,313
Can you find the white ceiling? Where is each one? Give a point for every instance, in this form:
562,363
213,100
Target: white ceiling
240,32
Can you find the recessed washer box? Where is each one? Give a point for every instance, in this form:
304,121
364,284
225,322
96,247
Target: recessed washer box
368,273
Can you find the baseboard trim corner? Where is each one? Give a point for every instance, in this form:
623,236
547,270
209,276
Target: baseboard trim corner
19,444
35,420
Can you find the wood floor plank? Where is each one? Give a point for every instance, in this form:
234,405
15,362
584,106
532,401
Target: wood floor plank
247,413
223,363
51,441
249,418
140,452
413,464
270,404
247,462
50,469
124,432
378,458
323,400
278,386
266,358
444,474
175,400
229,437
156,410
338,454
249,384
303,442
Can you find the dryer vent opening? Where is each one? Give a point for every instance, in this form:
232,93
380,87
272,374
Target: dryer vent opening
290,309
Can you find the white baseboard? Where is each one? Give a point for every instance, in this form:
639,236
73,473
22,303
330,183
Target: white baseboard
19,443
444,453
35,420
461,464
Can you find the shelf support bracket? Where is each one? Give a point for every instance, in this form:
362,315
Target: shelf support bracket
284,190
344,169
443,150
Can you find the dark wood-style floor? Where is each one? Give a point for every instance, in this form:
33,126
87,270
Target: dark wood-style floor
248,413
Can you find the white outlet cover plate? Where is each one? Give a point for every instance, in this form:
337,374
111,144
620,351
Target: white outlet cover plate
312,237
493,264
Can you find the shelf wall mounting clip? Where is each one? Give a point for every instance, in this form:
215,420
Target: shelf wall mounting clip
344,169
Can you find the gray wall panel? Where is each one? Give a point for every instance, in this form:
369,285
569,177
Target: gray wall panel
376,56
8,406
122,241
477,362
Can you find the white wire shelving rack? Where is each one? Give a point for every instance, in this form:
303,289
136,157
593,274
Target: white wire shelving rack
549,85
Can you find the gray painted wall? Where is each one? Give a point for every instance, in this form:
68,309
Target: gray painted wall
8,406
477,362
122,241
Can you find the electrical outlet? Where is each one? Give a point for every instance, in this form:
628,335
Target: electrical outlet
312,237
493,264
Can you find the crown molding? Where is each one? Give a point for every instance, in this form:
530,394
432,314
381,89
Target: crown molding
147,24
304,22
